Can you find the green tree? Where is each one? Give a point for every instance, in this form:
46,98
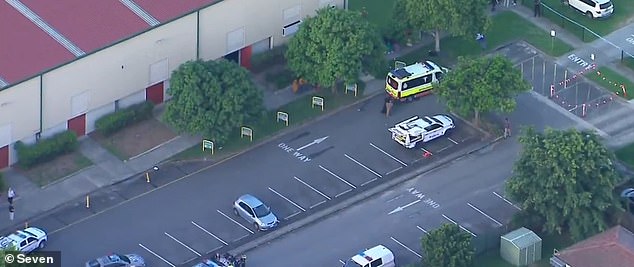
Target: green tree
212,98
565,178
481,85
457,17
447,246
333,46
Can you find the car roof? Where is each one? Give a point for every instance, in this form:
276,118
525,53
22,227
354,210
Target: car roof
250,200
376,252
601,1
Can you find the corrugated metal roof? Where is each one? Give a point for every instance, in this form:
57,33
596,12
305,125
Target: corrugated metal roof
614,247
522,238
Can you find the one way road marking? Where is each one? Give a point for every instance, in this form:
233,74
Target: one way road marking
403,207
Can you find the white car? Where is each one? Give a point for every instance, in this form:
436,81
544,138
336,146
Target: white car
416,129
593,8
26,240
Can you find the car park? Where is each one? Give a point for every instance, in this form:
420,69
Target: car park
117,260
378,256
26,240
225,260
593,8
421,129
255,212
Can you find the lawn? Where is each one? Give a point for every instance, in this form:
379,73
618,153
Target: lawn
623,14
53,171
626,155
612,81
628,62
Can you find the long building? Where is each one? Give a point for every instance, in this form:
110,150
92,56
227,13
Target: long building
66,63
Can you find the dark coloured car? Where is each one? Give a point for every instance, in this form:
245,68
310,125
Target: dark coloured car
117,260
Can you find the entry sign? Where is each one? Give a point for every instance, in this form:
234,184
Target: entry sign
352,87
246,131
282,116
318,101
208,144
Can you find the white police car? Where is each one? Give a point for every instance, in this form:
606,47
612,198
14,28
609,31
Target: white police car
421,129
26,240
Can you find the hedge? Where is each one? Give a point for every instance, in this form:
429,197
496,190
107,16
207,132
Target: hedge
114,122
46,149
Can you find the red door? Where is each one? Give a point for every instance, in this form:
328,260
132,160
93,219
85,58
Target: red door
4,157
154,93
245,57
78,125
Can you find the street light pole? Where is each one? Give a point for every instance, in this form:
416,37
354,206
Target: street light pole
552,40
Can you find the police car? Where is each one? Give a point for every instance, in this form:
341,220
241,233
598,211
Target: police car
421,129
26,240
378,256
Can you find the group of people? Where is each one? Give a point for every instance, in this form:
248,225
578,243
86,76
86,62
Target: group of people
537,10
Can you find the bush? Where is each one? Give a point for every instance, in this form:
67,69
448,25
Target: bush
275,56
114,122
281,79
47,149
3,184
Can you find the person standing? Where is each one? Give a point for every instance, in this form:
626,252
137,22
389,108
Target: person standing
10,195
388,106
538,8
507,128
11,212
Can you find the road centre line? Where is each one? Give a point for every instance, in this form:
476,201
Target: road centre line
234,221
486,215
309,186
156,255
209,233
365,167
506,200
315,205
340,194
285,198
404,246
392,171
388,154
337,176
183,244
421,228
461,227
369,182
453,141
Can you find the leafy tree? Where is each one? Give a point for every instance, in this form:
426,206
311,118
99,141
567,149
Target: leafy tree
332,46
565,178
447,246
212,98
457,17
481,85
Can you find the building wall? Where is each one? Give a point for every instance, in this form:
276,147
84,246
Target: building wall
20,108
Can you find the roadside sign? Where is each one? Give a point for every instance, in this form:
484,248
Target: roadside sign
352,87
318,101
399,64
208,144
246,131
282,116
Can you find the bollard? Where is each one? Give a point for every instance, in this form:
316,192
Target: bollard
583,110
147,177
552,90
26,225
87,201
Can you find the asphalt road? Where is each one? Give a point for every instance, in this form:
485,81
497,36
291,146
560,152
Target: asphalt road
191,217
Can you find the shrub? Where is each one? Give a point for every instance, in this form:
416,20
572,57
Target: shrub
114,122
3,184
275,56
46,149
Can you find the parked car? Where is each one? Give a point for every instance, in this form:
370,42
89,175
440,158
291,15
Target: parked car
629,194
255,212
593,8
26,240
117,260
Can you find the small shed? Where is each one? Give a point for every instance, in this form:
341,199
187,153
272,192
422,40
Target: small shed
521,247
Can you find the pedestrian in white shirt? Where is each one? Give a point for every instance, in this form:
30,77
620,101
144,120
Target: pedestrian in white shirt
10,195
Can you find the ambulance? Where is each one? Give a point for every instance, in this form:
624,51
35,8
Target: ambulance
414,80
421,129
378,256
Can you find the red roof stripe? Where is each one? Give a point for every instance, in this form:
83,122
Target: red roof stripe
166,10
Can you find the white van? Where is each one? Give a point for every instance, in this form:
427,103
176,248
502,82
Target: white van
378,256
593,8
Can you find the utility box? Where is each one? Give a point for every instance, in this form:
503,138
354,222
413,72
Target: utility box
521,247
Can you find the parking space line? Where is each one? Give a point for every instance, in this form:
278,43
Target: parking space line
340,194
316,191
392,171
360,164
234,221
183,244
506,200
337,176
156,255
404,246
443,149
214,249
461,227
292,215
421,228
342,262
485,215
322,202
285,198
209,233
240,238
368,182
453,141
425,150
388,154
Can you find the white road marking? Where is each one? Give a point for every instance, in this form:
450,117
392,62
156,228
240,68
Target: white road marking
342,262
337,176
388,154
234,221
423,149
285,198
340,194
316,191
365,167
156,255
209,233
292,215
486,215
422,229
368,182
443,149
404,246
183,244
461,227
453,141
322,202
392,171
240,238
506,200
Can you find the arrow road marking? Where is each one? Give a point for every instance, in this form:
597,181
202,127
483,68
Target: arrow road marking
404,246
209,233
506,200
183,244
157,255
461,227
486,215
316,141
403,207
388,154
365,167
